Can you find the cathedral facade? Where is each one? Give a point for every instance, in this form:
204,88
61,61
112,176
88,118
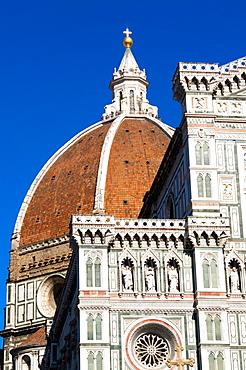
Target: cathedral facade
129,249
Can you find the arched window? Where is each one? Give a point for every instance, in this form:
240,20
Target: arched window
26,363
208,186
90,327
200,189
220,361
132,105
217,326
198,150
206,159
98,327
206,277
90,361
99,361
214,277
202,154
211,361
210,276
89,273
121,97
93,273
209,325
97,267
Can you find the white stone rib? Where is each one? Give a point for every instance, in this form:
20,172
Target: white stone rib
40,176
103,165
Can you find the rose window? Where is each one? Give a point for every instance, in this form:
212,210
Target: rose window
151,350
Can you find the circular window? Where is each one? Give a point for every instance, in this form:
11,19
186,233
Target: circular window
49,295
151,350
150,344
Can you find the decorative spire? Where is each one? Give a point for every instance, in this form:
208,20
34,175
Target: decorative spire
128,41
129,86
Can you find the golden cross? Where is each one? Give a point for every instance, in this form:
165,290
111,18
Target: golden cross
180,362
127,32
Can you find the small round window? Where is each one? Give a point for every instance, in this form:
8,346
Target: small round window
49,295
150,344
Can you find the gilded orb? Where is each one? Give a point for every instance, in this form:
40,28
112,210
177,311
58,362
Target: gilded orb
127,42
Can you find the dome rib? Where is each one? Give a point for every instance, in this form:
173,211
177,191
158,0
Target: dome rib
105,167
39,177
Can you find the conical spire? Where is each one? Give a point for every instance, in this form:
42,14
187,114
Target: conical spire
128,62
129,86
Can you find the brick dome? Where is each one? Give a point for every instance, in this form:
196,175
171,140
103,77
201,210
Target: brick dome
105,168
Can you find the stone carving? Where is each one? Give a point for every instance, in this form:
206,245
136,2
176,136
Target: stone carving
173,279
199,103
227,191
222,108
234,280
236,108
150,279
127,280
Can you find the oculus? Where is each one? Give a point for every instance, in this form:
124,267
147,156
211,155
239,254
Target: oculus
49,295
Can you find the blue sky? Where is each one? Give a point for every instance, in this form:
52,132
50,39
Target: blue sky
57,58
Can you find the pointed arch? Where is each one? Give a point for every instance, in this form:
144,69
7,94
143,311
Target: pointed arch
88,237
209,326
90,327
127,274
208,188
97,272
198,153
174,240
214,276
145,240
237,81
200,188
99,361
136,240
173,275
228,84
128,239
211,361
98,237
150,275
89,277
217,327
221,88
118,240
154,241
163,238
195,82
98,327
90,361
204,236
243,75
206,156
187,81
26,363
220,361
214,237
80,236
206,275
205,82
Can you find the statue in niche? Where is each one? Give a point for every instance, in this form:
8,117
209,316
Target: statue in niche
150,279
234,278
173,279
127,279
